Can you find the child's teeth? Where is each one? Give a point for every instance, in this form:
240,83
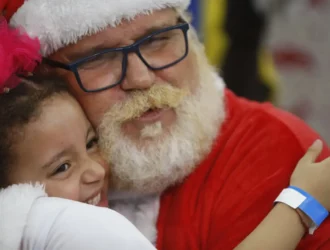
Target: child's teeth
95,200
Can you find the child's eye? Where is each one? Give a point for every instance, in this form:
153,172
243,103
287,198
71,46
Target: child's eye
63,168
92,143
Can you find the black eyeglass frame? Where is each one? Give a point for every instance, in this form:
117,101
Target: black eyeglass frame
133,48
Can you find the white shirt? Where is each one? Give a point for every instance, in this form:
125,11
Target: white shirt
29,220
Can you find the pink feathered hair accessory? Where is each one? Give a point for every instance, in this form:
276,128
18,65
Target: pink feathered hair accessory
19,55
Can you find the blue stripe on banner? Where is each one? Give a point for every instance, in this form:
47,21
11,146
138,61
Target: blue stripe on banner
195,9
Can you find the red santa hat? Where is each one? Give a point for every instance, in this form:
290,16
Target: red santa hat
58,23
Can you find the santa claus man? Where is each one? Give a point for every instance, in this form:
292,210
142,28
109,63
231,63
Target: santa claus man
193,166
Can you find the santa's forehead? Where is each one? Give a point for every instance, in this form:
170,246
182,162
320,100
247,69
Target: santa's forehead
62,22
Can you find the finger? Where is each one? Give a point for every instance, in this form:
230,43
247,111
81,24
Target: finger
12,7
325,162
313,152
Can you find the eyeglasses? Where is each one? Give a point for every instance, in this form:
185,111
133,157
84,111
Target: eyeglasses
104,70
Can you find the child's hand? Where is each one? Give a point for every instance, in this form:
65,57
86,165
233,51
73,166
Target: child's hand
314,178
9,7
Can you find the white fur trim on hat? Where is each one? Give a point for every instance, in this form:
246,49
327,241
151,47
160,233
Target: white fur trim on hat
58,23
15,204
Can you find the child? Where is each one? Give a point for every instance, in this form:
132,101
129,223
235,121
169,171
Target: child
46,138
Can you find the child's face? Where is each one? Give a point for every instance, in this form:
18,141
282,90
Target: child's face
59,148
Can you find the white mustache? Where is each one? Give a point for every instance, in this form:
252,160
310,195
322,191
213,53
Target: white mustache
159,96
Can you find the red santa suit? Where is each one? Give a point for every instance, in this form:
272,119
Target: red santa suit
233,189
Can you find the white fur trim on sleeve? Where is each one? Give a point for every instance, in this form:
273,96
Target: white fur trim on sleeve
58,23
15,204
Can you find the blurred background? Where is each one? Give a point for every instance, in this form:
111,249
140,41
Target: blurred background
272,50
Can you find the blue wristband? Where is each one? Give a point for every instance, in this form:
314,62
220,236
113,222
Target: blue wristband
311,207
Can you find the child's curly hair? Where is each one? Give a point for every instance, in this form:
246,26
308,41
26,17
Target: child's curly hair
21,96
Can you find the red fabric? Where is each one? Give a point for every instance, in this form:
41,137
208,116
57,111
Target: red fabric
9,7
234,188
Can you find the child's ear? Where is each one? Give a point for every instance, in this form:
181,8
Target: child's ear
42,69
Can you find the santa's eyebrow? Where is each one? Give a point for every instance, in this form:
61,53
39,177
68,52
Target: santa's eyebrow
77,55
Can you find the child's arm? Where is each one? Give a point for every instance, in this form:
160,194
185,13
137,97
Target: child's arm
284,227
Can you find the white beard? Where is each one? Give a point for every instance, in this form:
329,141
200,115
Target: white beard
167,159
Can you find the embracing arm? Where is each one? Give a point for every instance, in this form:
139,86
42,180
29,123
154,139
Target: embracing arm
281,229
284,227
